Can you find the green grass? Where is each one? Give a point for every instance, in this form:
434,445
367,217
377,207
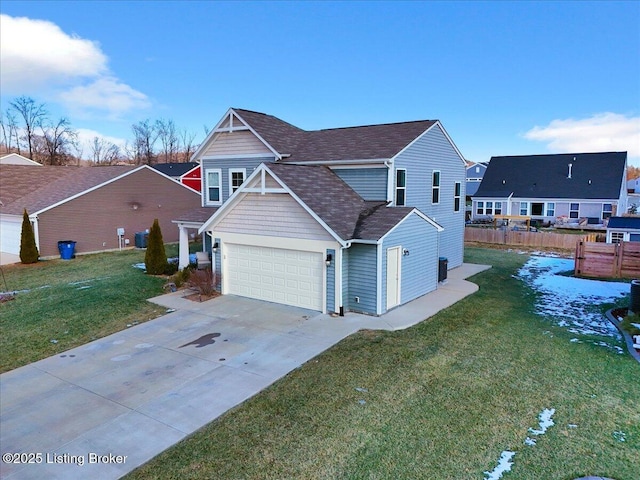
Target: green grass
444,399
72,302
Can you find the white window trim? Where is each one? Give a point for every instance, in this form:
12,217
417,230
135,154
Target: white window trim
528,208
395,196
231,172
457,186
610,212
434,187
571,210
207,186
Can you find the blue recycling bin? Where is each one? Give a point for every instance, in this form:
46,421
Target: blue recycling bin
67,249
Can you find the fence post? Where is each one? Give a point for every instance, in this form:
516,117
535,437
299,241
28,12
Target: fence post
578,258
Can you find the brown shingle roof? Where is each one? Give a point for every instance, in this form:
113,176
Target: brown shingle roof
38,188
368,142
337,204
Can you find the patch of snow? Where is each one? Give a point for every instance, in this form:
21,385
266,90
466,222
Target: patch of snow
572,302
545,421
619,436
504,465
140,266
575,340
637,325
530,442
572,425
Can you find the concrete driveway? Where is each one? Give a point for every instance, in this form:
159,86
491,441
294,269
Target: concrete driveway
102,409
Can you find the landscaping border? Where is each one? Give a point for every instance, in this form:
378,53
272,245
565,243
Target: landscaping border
627,338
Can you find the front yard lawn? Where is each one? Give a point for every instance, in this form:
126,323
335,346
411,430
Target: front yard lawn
442,400
62,304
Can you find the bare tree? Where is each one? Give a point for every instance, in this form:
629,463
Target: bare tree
9,130
187,144
144,138
33,115
104,152
58,138
166,133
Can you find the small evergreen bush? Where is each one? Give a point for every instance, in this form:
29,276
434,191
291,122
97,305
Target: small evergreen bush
155,258
28,249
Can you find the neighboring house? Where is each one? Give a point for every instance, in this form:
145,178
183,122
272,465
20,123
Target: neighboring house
475,172
17,159
623,229
187,173
561,189
331,220
633,185
88,205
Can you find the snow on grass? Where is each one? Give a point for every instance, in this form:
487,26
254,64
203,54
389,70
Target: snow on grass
504,465
573,302
545,421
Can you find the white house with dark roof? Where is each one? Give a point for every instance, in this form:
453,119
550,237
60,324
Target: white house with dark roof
563,189
345,219
623,229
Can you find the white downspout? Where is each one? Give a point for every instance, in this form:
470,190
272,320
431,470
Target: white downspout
338,294
36,232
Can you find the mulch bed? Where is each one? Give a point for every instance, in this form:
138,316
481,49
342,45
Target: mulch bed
197,297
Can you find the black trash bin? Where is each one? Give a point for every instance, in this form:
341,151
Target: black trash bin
442,269
67,249
634,300
141,239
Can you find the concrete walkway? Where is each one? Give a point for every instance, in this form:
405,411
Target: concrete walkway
100,410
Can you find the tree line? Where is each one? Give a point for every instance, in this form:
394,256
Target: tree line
26,128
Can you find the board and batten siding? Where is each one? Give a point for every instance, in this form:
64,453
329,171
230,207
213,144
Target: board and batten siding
235,143
370,183
419,269
362,278
272,214
224,164
331,282
92,219
433,151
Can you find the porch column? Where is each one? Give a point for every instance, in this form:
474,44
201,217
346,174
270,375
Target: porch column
184,247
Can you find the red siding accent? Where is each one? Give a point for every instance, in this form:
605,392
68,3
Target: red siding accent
193,178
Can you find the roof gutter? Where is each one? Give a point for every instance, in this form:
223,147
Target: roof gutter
361,161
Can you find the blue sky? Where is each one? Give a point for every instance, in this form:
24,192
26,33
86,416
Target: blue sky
505,78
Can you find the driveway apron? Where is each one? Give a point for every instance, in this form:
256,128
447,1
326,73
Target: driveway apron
102,409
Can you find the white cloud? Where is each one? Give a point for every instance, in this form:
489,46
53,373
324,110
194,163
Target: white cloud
602,132
106,93
37,57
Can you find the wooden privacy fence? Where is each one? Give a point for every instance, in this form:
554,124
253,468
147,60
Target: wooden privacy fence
529,239
608,260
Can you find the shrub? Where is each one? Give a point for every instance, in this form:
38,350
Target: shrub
203,281
28,249
155,258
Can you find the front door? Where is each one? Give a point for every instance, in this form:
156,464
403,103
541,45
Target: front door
393,277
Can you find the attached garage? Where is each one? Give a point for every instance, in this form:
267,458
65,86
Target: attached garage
291,277
10,232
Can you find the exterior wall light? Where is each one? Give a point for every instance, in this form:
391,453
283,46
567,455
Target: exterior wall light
215,247
328,259
405,252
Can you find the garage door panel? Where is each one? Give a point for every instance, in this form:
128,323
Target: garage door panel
285,276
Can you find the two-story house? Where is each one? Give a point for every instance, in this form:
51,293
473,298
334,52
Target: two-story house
354,219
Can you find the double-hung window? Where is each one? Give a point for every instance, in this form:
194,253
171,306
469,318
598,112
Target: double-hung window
435,187
401,187
457,192
524,208
574,210
213,186
236,178
480,208
551,209
607,210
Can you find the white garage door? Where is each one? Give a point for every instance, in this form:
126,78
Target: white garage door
291,277
10,232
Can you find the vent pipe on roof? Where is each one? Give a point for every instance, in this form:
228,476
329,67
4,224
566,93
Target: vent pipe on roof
570,165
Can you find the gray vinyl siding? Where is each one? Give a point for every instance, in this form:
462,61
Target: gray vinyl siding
419,269
370,183
331,282
433,151
362,278
250,164
218,260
